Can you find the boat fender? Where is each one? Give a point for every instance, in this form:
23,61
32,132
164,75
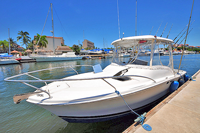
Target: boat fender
186,77
174,86
181,81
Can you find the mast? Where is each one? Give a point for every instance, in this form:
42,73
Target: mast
52,29
136,20
9,40
103,44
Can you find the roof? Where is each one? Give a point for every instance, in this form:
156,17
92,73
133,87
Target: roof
63,48
141,40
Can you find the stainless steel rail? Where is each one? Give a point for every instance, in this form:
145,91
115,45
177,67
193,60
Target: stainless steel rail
9,79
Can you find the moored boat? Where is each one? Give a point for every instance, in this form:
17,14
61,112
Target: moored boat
63,57
105,94
8,59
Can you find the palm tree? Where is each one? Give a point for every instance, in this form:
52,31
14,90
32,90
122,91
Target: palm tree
4,44
76,49
11,43
24,36
31,45
42,40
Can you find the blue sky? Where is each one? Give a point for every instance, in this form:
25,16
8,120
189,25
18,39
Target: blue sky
98,19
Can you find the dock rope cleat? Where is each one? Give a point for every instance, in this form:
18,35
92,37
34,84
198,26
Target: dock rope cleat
140,119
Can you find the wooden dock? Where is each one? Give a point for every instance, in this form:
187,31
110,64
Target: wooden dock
178,113
26,59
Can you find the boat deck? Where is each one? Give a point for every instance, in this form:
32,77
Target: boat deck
179,112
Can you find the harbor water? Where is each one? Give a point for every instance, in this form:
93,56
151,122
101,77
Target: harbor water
26,117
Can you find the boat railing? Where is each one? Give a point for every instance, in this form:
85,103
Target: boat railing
37,80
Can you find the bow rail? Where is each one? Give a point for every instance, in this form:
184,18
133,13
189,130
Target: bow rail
26,82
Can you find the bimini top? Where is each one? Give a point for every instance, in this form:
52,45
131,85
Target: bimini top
140,40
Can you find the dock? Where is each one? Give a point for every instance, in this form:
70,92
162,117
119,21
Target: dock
26,59
178,113
99,56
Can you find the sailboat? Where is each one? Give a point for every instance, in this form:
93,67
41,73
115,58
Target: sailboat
63,57
6,58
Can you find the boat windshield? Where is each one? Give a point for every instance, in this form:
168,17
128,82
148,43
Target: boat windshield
149,53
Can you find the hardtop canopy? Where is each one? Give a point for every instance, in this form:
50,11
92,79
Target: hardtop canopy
140,40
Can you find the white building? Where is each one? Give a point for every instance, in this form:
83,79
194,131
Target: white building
58,41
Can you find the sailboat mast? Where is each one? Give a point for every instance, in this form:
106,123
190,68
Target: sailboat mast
9,40
52,28
136,20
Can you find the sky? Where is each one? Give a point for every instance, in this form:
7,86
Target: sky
97,20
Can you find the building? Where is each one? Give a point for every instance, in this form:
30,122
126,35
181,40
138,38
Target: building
63,49
13,47
58,41
88,44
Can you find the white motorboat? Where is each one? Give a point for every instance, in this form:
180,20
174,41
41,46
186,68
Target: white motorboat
108,93
63,57
124,55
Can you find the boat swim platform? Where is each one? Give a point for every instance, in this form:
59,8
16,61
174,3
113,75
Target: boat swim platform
178,113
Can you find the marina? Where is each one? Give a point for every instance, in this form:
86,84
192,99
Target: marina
68,82
26,120
139,83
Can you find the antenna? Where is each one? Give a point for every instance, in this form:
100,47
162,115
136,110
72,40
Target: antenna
136,20
118,18
186,36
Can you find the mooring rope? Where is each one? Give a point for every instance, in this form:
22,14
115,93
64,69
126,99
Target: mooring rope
126,103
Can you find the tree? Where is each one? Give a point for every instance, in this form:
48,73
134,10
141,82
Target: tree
24,36
76,49
4,44
80,46
31,45
12,42
43,41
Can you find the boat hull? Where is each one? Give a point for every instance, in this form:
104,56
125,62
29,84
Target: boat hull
8,61
109,108
42,59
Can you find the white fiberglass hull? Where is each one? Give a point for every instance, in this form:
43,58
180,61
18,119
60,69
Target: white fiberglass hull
95,100
109,108
55,58
8,61
125,55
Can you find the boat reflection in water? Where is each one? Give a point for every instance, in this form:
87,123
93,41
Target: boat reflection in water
98,96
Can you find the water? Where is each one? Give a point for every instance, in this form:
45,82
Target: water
26,117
